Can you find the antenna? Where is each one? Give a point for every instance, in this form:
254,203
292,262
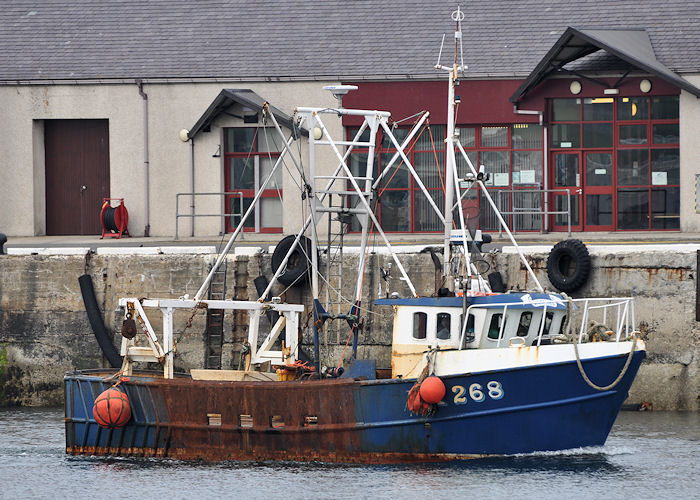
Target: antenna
458,17
339,91
437,65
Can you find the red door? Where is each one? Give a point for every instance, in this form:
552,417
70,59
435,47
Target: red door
77,175
566,169
598,196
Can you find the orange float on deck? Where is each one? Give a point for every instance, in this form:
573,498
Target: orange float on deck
112,409
432,390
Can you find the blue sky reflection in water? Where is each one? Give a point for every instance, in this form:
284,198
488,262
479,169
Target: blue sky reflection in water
651,455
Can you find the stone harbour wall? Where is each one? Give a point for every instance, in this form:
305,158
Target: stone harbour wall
44,330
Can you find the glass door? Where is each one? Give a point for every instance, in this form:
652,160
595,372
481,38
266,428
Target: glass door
249,159
240,178
567,195
598,191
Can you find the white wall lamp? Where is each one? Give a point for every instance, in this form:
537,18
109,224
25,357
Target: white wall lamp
575,87
184,135
645,86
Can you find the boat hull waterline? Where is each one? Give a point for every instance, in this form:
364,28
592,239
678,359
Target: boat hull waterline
532,408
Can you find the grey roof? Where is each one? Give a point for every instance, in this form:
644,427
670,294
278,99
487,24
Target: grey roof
330,39
230,97
632,46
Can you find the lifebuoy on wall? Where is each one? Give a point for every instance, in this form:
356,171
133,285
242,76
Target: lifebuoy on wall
568,265
299,261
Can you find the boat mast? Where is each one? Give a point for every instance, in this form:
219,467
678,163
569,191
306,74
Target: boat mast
453,70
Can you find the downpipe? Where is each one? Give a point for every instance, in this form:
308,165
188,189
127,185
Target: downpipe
146,162
192,207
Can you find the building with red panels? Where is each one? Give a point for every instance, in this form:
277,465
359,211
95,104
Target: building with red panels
584,115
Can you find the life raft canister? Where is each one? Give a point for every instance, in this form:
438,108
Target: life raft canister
432,390
112,409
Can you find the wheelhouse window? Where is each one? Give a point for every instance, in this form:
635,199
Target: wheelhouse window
443,326
250,154
495,326
524,324
420,325
547,322
469,335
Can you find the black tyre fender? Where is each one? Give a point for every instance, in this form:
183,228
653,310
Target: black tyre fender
496,282
298,264
568,265
98,326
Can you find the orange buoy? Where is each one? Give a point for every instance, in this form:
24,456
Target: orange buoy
112,409
432,390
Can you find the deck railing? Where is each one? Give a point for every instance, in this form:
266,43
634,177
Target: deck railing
616,313
608,314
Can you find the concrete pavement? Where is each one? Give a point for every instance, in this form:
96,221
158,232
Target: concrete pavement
265,240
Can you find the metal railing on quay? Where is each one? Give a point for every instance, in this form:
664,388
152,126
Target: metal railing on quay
223,215
538,211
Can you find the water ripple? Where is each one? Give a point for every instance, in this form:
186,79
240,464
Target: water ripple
648,455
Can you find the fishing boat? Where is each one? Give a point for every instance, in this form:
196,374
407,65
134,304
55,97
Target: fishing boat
474,371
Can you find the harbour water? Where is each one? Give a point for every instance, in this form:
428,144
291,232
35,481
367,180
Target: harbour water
648,455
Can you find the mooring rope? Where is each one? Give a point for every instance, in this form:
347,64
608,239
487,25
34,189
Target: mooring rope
619,377
574,340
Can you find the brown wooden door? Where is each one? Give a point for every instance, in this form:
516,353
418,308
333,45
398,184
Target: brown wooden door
77,175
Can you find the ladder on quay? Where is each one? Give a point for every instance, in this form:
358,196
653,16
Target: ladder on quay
335,303
215,319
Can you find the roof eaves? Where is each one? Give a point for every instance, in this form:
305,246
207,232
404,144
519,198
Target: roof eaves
552,62
245,97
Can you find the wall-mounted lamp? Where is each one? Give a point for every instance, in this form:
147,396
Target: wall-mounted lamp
645,86
218,152
575,87
184,135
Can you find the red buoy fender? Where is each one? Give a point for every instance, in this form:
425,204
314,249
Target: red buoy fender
432,390
112,409
414,403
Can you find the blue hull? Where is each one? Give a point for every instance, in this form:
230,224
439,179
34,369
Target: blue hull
537,408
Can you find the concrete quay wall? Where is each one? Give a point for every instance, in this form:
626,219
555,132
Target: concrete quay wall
44,330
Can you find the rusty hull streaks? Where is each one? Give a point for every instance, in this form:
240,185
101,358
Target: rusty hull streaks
184,405
213,455
189,435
